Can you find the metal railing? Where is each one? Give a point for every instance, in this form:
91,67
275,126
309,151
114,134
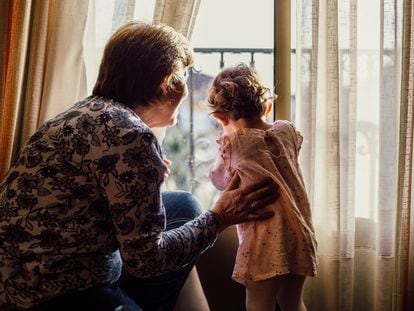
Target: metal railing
190,142
223,51
191,145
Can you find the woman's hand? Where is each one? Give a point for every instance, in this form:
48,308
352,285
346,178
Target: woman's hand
248,203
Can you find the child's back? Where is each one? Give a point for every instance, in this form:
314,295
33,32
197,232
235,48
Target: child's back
275,255
284,243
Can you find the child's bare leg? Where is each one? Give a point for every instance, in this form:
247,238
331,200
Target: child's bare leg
262,295
289,296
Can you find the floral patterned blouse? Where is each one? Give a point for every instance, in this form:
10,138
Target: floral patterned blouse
83,193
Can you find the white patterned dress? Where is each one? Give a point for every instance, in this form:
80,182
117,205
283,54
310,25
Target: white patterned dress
286,242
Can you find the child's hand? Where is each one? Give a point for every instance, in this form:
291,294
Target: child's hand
168,172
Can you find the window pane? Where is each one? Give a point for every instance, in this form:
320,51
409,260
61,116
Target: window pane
226,33
104,17
245,35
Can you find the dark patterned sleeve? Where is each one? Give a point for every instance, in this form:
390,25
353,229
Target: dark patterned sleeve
133,191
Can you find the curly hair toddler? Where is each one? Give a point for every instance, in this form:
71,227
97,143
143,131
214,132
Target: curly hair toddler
276,255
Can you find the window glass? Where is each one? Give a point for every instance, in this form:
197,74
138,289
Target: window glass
238,31
226,33
104,17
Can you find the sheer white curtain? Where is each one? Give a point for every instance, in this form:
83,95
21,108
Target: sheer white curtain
350,108
104,17
179,14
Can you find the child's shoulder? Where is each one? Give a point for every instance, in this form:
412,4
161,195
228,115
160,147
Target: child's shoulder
286,130
224,141
243,136
283,123
283,126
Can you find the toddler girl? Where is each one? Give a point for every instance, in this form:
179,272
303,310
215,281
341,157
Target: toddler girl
274,256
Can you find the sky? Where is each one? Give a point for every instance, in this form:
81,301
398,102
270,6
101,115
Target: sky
234,23
250,24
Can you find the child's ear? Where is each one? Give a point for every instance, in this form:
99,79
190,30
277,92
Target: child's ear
221,117
268,110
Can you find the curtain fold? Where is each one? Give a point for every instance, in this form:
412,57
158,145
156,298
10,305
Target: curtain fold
354,106
14,26
179,14
42,66
405,164
65,74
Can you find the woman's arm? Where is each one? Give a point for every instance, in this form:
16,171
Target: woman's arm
134,196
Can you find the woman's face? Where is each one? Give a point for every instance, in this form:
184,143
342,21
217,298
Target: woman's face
164,111
168,113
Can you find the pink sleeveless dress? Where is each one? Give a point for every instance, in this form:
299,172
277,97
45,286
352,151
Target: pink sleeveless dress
286,242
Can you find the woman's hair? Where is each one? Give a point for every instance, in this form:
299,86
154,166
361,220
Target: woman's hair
238,92
137,59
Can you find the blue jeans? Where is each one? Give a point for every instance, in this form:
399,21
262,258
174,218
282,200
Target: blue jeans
136,294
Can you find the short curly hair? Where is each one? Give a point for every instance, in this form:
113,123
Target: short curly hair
137,59
238,92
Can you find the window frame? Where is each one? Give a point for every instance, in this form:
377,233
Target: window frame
282,59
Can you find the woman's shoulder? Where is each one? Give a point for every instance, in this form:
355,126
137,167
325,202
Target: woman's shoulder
104,122
111,113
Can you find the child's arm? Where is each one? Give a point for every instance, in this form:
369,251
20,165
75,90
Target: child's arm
220,173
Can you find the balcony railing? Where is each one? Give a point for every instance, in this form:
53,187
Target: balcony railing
191,145
223,51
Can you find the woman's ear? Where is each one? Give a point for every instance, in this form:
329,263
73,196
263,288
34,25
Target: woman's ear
164,87
221,117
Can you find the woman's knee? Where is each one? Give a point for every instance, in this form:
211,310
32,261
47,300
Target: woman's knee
180,207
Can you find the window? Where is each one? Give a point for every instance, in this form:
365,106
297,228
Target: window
220,40
225,33
104,17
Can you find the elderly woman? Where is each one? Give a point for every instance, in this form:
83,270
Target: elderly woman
83,222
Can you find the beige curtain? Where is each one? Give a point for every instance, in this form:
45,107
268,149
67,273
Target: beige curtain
41,66
404,280
354,105
179,14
